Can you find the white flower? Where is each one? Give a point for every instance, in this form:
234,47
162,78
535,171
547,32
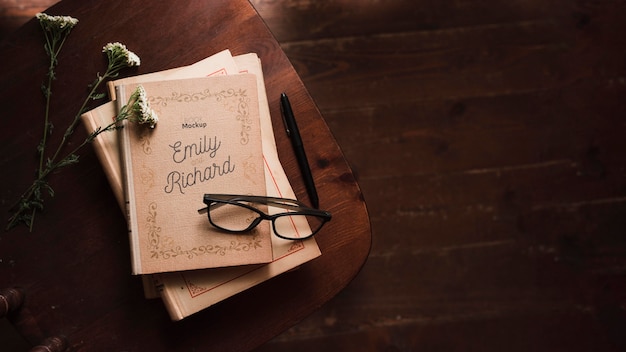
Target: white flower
151,118
120,56
141,108
51,23
133,59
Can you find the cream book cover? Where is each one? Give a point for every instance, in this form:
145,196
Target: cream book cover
207,140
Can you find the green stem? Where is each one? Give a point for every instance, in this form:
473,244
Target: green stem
53,46
29,193
53,52
72,126
46,124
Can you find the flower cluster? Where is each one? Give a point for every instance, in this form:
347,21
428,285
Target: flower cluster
56,29
119,56
140,109
56,23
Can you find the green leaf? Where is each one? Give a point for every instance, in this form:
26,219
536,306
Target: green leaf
97,96
49,189
69,160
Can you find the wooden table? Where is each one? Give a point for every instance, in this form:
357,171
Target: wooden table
74,268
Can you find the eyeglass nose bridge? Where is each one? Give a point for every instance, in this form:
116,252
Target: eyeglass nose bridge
254,223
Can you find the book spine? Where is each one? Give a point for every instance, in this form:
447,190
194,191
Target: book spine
111,90
100,117
127,174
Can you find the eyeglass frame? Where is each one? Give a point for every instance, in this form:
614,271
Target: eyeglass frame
301,209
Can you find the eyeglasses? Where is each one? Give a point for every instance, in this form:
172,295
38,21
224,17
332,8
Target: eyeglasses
236,213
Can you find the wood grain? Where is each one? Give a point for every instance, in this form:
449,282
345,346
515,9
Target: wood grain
488,140
74,268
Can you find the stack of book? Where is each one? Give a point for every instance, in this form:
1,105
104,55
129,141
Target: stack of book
214,135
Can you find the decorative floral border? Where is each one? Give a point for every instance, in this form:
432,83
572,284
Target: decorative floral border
196,290
163,247
232,99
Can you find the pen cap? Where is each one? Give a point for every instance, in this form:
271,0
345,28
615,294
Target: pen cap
288,117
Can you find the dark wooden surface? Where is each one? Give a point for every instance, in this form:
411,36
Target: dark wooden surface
74,268
488,138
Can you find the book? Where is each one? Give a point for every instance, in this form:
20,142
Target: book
208,140
188,292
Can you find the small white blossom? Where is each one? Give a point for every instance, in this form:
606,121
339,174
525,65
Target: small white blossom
120,56
141,108
51,23
133,59
114,47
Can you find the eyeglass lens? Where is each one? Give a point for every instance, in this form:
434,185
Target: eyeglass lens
297,225
232,217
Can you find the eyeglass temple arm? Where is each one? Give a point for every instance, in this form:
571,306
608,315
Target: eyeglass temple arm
267,202
213,205
272,201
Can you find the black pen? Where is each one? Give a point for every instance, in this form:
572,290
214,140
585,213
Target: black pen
296,142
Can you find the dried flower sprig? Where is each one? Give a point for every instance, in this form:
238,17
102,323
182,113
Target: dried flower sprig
56,29
141,109
136,110
119,57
